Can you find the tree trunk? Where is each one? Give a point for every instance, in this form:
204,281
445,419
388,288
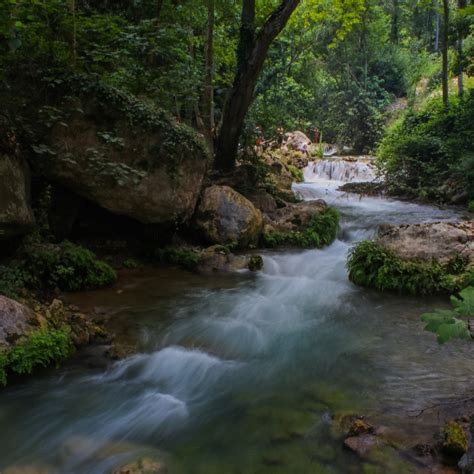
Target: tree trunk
445,75
395,21
461,4
159,7
252,51
208,98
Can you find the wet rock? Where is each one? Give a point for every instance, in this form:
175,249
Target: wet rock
146,465
360,426
218,258
16,320
226,217
466,463
438,240
455,441
262,200
16,216
293,217
129,158
362,445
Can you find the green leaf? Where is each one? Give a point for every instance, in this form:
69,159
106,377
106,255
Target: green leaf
464,306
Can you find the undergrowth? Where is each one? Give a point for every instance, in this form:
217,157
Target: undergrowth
40,349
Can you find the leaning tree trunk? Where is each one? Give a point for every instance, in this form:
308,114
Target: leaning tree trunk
445,74
252,51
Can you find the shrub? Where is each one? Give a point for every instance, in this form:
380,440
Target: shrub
40,349
67,266
374,266
255,263
12,279
321,231
296,173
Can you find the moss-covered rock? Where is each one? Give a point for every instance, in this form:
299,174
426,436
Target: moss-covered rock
226,217
454,439
124,155
306,225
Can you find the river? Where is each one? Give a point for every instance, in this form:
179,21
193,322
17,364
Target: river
242,373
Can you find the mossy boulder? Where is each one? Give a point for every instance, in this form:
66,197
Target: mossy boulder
226,217
120,153
307,224
16,216
455,441
416,259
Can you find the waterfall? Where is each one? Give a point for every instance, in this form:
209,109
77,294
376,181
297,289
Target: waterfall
340,169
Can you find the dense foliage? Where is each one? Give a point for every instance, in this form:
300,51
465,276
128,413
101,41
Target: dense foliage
430,153
39,349
66,266
374,266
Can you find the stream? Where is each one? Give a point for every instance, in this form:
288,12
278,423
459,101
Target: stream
242,373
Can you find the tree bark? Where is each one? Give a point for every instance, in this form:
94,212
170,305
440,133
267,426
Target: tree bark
445,75
461,4
251,54
159,8
208,96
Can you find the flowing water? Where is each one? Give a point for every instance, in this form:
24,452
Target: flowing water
242,373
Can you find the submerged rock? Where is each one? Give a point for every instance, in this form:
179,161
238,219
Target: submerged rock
146,465
226,217
16,216
454,442
123,155
29,469
362,445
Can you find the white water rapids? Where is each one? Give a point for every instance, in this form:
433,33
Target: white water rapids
226,362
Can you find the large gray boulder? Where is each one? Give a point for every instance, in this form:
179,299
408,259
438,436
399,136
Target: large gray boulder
226,217
16,216
437,240
123,155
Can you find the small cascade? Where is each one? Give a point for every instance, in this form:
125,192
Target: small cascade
340,169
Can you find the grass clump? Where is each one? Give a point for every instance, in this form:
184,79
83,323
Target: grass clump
374,266
40,349
185,258
321,231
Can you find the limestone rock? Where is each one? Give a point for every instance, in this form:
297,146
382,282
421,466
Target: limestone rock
218,259
293,217
123,155
439,240
262,200
296,139
16,216
16,320
226,217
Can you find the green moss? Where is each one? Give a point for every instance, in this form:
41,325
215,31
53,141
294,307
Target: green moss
66,266
255,263
373,266
454,439
40,349
471,206
296,173
321,231
185,258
